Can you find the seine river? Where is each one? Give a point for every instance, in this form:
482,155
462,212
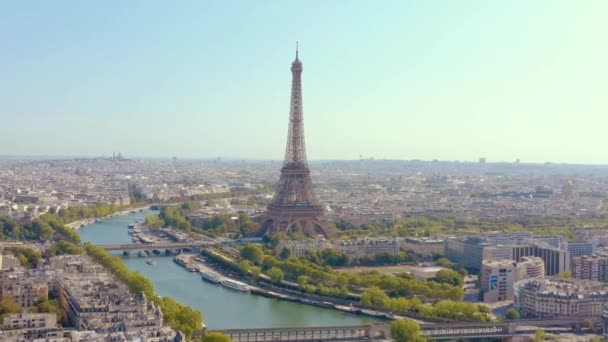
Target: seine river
222,308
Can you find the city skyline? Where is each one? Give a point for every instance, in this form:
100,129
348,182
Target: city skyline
450,82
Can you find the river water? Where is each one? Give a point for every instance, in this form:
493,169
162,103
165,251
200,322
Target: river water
222,308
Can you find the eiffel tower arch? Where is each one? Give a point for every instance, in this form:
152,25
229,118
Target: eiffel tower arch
295,202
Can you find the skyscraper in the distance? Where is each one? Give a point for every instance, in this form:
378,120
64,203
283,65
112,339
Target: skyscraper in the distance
295,204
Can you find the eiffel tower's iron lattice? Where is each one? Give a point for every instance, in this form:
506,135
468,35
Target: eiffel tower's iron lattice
295,202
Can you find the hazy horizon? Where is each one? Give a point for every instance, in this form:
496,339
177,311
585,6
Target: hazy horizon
399,80
255,160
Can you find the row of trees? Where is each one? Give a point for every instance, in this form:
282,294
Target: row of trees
335,258
27,256
446,309
9,306
402,286
51,225
63,247
45,228
434,225
175,216
75,213
405,330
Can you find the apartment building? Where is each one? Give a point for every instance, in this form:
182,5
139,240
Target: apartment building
368,248
103,304
424,248
546,298
299,248
594,267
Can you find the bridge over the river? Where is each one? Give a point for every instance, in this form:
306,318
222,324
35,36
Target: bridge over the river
153,246
443,331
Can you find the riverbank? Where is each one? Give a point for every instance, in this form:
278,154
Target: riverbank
87,221
192,263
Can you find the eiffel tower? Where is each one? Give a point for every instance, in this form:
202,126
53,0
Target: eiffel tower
295,203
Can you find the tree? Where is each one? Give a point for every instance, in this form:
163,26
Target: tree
302,280
374,296
484,310
216,337
244,267
588,324
540,335
405,330
253,253
180,317
49,306
276,275
449,277
8,306
285,253
154,222
63,247
444,262
27,256
255,272
512,313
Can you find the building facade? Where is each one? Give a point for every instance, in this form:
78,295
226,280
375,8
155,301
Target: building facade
545,298
496,280
423,247
594,267
368,248
582,248
102,304
299,248
25,291
529,267
498,276
30,321
556,260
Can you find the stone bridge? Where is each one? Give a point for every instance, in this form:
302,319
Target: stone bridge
153,246
437,332
336,333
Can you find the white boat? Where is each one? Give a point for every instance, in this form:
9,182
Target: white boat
235,285
211,276
150,262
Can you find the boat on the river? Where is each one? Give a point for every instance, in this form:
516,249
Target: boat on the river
179,261
211,277
150,262
235,285
191,269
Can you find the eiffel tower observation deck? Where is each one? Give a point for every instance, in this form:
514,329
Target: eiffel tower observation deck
295,205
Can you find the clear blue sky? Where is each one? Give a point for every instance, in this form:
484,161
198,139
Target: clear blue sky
450,80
